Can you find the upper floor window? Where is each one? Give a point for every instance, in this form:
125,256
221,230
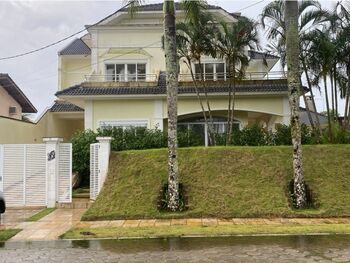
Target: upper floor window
211,71
126,72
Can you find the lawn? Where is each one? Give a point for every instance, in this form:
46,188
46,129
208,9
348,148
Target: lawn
178,231
225,182
40,214
7,234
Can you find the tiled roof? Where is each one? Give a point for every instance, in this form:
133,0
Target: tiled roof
270,86
77,47
159,7
261,55
63,106
15,92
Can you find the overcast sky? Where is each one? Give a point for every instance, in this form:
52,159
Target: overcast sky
27,25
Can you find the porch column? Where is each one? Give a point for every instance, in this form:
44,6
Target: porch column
103,156
52,153
158,115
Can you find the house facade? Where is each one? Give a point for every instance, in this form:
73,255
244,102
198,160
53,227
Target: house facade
115,76
13,102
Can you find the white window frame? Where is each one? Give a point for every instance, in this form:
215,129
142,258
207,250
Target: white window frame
125,62
210,61
124,124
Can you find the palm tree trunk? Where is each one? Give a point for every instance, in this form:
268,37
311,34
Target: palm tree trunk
312,96
228,140
347,107
307,108
172,89
233,103
347,102
330,134
200,103
336,93
332,93
211,125
292,52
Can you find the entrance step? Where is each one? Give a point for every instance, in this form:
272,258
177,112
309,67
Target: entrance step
77,203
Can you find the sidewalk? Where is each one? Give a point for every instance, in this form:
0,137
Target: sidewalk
50,227
61,220
211,222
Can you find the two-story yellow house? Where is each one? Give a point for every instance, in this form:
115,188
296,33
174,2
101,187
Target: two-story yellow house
115,73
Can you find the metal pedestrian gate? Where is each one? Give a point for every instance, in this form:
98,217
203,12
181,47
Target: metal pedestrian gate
94,170
24,174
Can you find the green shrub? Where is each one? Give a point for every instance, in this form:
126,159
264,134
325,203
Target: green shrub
135,138
253,135
81,153
340,136
189,137
282,135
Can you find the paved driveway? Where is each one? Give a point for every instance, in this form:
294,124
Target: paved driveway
50,227
13,217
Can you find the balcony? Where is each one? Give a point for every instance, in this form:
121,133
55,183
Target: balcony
152,79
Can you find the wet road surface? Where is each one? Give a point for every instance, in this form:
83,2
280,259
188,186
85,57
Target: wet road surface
230,249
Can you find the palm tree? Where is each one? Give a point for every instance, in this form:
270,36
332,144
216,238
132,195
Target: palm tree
172,90
292,57
232,42
195,39
321,63
273,20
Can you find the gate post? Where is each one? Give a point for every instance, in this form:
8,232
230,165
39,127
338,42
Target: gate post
52,152
103,155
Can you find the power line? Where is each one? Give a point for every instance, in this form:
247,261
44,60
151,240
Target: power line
131,51
55,43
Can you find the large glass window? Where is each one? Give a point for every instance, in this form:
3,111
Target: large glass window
126,72
122,124
211,71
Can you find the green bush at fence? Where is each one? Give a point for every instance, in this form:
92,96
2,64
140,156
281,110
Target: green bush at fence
81,154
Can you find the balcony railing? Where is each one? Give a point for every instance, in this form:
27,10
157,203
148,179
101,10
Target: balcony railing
226,76
121,78
182,77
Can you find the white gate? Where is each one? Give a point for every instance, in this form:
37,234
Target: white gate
94,170
24,174
65,173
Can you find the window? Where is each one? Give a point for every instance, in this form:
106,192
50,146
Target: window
122,124
13,110
211,71
126,72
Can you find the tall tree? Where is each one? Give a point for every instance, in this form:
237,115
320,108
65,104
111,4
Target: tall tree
195,39
292,56
321,63
273,20
172,90
232,42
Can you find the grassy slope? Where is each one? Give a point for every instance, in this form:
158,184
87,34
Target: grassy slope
225,182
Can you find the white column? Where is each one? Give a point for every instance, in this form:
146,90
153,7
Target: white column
206,135
88,115
52,153
158,115
103,158
286,111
